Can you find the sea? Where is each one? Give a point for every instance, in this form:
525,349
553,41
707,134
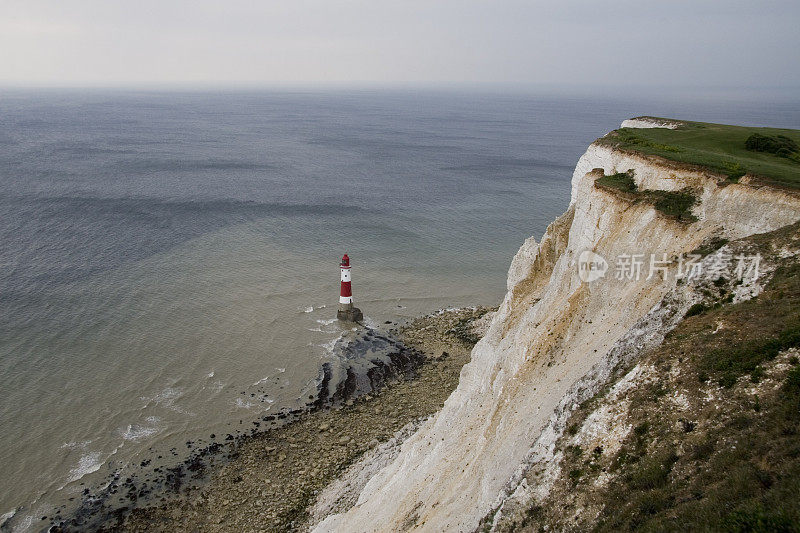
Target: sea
169,259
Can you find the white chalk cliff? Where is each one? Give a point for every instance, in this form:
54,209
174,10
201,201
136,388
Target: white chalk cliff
553,340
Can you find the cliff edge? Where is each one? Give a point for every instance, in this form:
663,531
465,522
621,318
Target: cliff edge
608,280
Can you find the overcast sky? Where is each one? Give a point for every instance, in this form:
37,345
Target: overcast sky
703,43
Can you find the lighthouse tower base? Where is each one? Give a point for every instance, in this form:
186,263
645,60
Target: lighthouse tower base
349,313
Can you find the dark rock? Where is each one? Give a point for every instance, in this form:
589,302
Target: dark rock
367,360
350,315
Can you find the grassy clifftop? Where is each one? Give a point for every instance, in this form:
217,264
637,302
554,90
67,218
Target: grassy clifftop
768,153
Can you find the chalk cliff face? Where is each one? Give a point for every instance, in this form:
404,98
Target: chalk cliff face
555,339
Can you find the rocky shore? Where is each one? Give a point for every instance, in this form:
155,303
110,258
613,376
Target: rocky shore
273,478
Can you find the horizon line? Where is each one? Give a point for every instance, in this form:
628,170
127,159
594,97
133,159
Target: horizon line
206,85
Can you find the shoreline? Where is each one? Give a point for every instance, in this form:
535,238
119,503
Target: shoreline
270,480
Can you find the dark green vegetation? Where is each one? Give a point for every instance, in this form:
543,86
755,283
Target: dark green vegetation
696,309
711,245
622,181
714,422
729,150
779,145
727,365
735,469
676,204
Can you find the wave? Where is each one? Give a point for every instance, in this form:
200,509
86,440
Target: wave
166,399
73,445
147,204
62,239
88,463
90,460
186,165
5,517
137,432
323,323
243,404
262,380
328,346
493,163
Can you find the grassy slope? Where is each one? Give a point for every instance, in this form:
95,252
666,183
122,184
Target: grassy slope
739,468
728,462
716,146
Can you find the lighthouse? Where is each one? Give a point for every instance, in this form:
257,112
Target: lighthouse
346,310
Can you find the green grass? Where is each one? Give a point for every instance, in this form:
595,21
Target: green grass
779,145
695,310
728,462
710,245
677,204
651,472
773,327
622,181
719,147
729,363
742,474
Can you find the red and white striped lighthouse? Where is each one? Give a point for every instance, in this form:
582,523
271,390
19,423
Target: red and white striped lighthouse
346,294
346,309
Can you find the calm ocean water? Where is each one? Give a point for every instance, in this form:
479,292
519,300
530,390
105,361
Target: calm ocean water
168,261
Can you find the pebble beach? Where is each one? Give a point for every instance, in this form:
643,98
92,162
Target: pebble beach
274,479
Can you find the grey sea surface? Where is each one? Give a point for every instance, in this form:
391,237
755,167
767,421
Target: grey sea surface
169,261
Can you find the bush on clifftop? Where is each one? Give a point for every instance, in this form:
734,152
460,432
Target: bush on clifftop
779,145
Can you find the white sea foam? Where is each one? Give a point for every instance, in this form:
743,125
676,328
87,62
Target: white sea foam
308,309
137,432
281,370
328,346
22,525
323,323
243,404
166,398
74,445
88,463
450,309
7,516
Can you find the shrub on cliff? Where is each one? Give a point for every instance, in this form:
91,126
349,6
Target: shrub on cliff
622,181
780,145
676,204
